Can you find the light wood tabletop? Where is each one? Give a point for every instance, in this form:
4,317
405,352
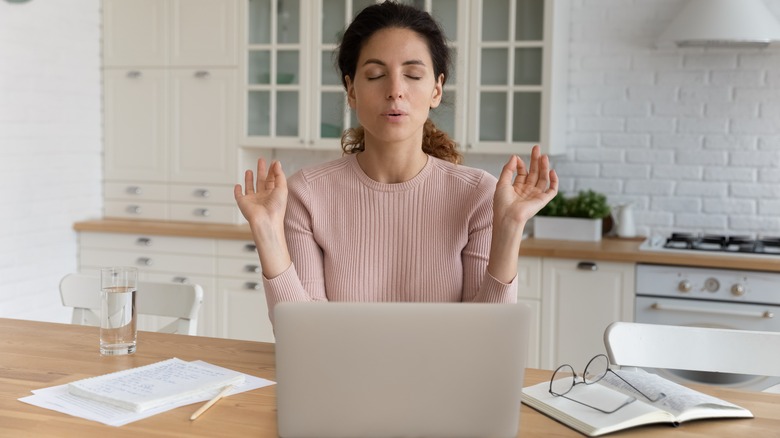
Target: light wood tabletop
38,355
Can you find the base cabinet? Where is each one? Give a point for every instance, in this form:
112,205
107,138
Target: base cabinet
228,271
579,300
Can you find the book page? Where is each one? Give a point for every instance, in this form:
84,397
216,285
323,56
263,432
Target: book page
152,385
678,399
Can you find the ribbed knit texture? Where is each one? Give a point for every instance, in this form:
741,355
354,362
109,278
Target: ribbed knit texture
354,239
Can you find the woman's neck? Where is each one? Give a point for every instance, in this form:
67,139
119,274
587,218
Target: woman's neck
392,165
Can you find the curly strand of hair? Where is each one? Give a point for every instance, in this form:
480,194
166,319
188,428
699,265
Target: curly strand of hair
436,143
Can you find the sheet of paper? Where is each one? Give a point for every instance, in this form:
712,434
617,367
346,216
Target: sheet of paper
58,398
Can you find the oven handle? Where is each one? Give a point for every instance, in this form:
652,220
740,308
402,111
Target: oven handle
767,314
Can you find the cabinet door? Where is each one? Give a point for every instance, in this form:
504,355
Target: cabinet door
579,300
135,32
204,33
275,65
243,311
517,87
135,111
202,126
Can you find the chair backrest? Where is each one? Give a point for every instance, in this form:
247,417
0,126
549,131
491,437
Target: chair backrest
693,348
177,300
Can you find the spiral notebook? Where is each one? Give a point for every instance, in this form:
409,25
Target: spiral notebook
154,385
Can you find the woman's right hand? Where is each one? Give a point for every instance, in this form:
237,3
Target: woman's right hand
263,202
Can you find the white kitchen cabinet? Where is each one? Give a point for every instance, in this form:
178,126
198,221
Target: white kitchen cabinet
517,77
579,300
169,32
229,272
170,109
529,292
158,258
241,303
505,93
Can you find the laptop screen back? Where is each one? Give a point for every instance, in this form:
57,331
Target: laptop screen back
400,369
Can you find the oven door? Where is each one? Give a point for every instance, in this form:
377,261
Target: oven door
700,313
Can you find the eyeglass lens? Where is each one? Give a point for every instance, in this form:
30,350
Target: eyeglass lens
596,369
562,380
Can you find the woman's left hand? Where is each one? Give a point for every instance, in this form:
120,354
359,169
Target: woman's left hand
515,202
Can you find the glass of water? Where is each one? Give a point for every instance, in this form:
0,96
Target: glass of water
118,319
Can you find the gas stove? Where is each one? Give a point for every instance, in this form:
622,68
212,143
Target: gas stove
715,244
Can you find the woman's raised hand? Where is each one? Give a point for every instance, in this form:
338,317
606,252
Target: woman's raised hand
263,202
533,187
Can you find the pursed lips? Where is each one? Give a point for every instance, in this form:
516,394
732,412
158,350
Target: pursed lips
393,114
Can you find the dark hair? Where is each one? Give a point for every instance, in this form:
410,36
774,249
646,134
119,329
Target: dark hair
390,14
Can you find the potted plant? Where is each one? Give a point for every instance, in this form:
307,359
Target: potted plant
577,217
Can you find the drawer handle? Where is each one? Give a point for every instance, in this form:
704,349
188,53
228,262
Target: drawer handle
144,241
587,266
202,193
250,247
134,209
202,212
133,190
144,261
182,280
253,285
253,268
134,74
202,74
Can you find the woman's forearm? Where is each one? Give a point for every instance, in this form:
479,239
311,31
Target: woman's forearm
505,249
271,248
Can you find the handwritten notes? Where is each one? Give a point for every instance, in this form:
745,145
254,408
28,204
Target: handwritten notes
150,386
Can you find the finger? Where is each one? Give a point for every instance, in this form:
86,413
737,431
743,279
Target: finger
505,178
261,173
533,169
249,182
553,182
522,171
544,173
280,180
238,192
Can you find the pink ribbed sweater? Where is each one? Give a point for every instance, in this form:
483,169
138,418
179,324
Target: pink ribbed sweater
354,239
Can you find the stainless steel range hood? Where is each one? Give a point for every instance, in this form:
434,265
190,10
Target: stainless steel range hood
722,23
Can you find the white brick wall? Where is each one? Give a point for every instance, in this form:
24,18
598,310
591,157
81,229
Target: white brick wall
50,147
700,128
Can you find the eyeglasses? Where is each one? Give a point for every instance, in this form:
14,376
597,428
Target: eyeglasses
564,379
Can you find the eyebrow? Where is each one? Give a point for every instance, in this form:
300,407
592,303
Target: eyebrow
379,62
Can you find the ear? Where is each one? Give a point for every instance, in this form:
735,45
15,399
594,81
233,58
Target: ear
351,100
438,89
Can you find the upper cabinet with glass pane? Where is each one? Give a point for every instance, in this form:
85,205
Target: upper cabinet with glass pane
505,77
517,87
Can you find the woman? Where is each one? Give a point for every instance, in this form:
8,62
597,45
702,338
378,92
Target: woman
396,218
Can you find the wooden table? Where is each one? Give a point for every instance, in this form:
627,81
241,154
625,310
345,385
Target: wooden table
38,355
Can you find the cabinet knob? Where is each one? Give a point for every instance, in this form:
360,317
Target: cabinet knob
250,247
253,285
144,261
144,241
587,266
182,280
202,193
133,190
202,212
134,209
134,74
252,268
201,74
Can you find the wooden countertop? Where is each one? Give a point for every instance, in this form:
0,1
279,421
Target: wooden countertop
609,249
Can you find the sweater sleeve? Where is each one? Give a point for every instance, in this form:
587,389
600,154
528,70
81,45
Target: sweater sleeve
478,285
304,279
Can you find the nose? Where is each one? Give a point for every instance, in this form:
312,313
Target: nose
395,88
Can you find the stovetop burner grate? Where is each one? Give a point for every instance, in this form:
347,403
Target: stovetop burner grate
723,243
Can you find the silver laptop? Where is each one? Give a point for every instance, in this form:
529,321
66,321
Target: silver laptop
400,369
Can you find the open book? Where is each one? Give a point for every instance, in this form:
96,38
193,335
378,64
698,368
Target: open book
154,385
679,404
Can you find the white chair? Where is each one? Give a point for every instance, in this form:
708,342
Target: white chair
177,300
693,348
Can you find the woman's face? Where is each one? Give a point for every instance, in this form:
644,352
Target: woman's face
394,87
